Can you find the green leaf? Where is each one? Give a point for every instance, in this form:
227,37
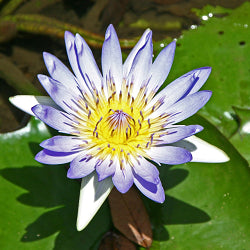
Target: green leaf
224,44
207,205
38,203
242,136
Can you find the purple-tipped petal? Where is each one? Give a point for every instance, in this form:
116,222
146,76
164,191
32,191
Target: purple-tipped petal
59,93
181,87
146,170
87,63
202,74
112,57
54,118
60,143
123,178
169,155
153,191
187,106
60,72
141,65
106,168
50,157
178,133
81,166
74,60
129,61
161,67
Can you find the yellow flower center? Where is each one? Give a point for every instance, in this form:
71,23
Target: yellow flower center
117,125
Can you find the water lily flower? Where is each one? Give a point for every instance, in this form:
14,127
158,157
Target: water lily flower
118,123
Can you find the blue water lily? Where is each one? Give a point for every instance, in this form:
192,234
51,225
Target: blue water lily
117,122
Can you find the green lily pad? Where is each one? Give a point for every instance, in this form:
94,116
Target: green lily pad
242,135
207,205
38,203
224,44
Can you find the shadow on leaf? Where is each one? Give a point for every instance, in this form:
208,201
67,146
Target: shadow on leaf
172,211
48,187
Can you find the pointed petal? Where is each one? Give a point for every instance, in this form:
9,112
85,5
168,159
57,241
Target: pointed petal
153,191
87,63
60,143
202,74
181,87
73,59
129,61
141,65
112,57
106,168
161,67
184,108
146,170
188,106
82,166
50,157
169,155
60,72
26,102
202,151
92,195
59,93
178,133
123,178
54,118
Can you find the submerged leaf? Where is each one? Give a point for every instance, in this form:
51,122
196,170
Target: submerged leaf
113,241
130,216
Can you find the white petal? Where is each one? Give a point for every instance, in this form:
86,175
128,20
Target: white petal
92,195
202,151
26,102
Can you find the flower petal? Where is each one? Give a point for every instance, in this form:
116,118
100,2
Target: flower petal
50,157
187,106
123,178
60,143
112,57
106,168
153,191
202,74
202,151
26,102
178,133
146,170
181,87
87,63
161,67
141,65
81,166
54,118
59,93
169,155
92,195
74,60
129,61
60,72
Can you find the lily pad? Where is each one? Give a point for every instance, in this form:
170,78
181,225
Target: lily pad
38,203
224,44
207,205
